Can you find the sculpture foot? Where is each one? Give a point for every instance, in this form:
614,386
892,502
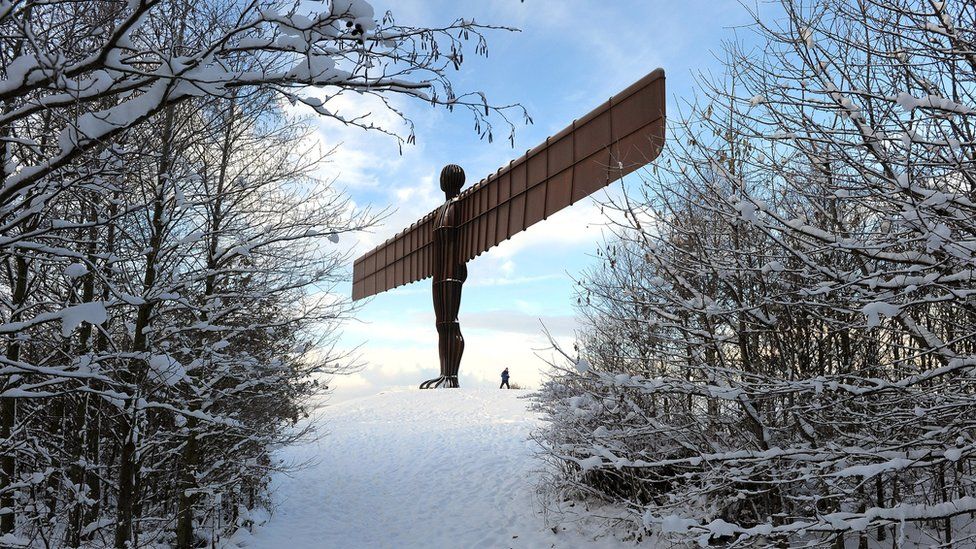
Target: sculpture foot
447,382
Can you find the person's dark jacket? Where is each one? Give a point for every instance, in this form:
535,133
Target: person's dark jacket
504,375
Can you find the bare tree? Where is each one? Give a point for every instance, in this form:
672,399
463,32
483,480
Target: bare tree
783,341
169,257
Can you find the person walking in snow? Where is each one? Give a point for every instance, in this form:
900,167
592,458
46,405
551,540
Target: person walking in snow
504,379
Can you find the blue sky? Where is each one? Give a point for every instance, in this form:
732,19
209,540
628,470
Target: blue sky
569,57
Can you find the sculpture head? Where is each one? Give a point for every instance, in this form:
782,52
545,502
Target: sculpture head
452,179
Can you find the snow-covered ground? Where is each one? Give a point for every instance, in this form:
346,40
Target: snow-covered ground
439,468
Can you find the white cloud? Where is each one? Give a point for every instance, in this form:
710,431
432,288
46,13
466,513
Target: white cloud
486,353
520,322
410,328
401,352
508,279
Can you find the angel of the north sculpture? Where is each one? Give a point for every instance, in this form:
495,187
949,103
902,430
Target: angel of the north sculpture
618,137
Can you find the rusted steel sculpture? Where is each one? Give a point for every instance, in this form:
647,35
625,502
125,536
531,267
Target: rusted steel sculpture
618,137
449,274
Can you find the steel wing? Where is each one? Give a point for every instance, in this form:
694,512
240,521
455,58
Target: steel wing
623,134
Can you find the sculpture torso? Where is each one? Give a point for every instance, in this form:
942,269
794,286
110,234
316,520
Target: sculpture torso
447,261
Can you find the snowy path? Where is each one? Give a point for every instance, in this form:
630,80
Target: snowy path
443,468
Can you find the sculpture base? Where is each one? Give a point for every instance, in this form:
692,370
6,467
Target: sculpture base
445,382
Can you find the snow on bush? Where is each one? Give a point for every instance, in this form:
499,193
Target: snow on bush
75,270
166,369
72,317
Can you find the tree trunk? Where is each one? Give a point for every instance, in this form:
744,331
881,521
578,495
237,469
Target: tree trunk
77,472
128,468
191,451
8,406
187,496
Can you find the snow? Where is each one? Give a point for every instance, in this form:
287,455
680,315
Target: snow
72,317
747,210
17,72
953,454
10,540
75,270
807,35
908,103
437,468
352,8
97,525
167,370
874,310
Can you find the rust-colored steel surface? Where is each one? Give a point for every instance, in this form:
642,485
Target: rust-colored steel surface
618,137
449,275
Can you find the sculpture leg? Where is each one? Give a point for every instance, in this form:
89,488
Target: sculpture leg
450,345
451,348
